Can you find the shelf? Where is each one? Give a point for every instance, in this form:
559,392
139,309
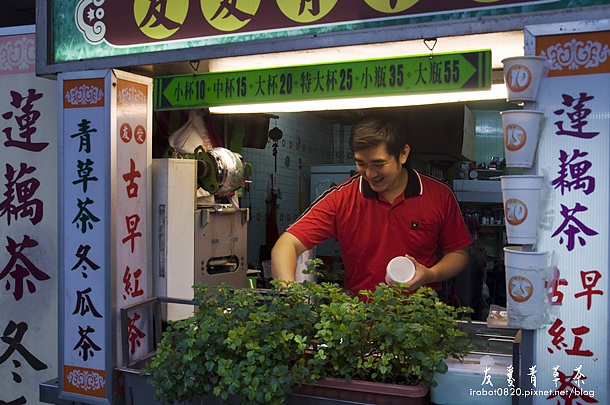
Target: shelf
489,171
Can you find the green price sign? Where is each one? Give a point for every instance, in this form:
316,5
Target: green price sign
442,72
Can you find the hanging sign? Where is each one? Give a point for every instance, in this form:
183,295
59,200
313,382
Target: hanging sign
374,77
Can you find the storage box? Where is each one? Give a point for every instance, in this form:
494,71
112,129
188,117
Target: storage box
465,382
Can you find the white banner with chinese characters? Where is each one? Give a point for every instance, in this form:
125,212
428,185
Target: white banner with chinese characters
104,200
571,352
85,230
132,223
28,223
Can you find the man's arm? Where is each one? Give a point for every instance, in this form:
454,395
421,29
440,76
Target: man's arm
284,256
450,265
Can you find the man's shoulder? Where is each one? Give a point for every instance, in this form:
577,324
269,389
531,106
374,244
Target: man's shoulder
434,187
349,184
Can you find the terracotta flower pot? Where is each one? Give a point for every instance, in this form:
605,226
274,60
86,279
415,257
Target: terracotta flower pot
368,392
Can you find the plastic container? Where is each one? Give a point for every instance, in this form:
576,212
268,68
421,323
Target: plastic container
463,381
521,132
399,270
522,75
521,197
525,292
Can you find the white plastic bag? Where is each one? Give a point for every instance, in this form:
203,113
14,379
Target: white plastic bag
192,134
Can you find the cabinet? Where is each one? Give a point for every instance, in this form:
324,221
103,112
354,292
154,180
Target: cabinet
444,132
322,178
173,197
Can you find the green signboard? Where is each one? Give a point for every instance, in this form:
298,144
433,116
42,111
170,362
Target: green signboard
442,72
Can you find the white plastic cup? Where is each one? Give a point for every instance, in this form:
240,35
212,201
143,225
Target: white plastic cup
399,270
521,197
521,131
302,263
525,292
522,76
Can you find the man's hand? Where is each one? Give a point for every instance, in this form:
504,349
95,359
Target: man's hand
422,275
451,264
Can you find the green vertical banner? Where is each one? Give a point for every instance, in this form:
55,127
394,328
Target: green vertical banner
443,72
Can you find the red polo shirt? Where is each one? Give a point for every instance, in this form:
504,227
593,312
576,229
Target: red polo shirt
371,231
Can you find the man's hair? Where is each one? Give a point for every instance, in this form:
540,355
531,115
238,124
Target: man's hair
374,131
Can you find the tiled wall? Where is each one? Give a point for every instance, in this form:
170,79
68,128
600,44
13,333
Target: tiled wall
307,139
489,136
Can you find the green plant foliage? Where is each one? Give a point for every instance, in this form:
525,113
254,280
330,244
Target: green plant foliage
391,336
251,346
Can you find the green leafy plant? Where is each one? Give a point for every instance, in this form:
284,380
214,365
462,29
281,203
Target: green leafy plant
253,346
240,343
324,272
391,337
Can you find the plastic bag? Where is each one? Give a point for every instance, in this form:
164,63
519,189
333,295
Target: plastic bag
192,134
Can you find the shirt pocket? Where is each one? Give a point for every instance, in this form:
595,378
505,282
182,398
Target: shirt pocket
422,241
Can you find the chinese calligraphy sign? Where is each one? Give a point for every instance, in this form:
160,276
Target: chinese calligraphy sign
85,267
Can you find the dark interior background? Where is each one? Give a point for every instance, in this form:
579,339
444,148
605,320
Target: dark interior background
17,12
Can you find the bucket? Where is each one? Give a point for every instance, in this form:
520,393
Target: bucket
302,262
525,293
522,76
521,197
521,130
252,278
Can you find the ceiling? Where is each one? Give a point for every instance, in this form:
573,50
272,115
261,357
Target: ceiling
17,12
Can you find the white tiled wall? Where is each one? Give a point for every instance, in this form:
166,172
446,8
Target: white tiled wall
489,140
308,139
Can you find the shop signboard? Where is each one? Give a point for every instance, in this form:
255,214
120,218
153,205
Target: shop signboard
126,24
132,222
85,260
571,352
104,199
28,222
441,72
91,29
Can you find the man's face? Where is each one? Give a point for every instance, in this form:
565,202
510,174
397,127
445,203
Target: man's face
382,170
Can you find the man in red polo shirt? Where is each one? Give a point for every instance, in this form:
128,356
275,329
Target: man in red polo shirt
386,210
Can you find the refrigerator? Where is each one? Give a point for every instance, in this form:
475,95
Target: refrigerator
322,178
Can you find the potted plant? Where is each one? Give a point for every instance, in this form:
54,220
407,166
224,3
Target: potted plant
253,346
390,338
243,345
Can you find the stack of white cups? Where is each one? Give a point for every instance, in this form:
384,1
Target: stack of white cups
522,195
